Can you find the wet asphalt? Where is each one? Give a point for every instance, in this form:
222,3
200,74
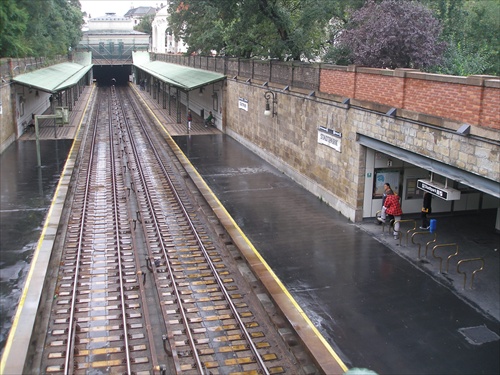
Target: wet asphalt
371,303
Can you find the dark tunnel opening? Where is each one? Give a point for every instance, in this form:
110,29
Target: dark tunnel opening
104,74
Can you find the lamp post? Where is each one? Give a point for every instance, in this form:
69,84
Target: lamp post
270,96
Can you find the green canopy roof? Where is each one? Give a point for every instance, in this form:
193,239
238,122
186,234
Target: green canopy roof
183,77
54,78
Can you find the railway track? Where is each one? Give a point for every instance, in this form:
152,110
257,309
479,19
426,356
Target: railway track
143,287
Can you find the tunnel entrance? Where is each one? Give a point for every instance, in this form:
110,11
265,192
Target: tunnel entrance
104,74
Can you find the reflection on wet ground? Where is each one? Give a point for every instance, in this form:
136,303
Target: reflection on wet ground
375,307
26,195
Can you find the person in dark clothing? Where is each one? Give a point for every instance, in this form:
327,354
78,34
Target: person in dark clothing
208,120
426,210
190,119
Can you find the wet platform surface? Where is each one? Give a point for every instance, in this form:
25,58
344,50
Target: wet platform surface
375,304
26,194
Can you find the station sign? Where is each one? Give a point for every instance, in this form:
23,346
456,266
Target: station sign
330,138
439,190
243,104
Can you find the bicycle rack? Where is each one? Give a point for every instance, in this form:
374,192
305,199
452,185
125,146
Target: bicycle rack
408,231
440,258
473,272
419,244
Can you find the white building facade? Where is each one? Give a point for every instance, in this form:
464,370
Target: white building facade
163,40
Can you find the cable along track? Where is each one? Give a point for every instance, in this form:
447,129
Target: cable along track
142,288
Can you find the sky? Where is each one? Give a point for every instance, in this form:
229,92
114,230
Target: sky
97,8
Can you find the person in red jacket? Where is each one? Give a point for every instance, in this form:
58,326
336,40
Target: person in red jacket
392,207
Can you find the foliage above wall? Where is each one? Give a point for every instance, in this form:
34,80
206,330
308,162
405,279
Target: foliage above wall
407,34
39,28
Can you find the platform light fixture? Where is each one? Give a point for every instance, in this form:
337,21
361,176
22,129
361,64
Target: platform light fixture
270,95
200,93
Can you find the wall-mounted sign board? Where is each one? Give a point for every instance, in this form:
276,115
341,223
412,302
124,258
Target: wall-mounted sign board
439,190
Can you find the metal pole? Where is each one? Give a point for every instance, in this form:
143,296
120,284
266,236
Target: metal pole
38,156
55,125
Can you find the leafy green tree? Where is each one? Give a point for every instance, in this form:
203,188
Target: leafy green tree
481,33
40,28
283,29
471,29
13,22
392,34
145,24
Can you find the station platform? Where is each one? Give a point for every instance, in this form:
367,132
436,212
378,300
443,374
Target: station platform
374,300
49,130
371,301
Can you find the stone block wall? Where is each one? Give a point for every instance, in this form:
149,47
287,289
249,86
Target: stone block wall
289,141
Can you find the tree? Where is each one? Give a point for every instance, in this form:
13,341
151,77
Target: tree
13,22
392,34
283,29
145,24
39,28
471,29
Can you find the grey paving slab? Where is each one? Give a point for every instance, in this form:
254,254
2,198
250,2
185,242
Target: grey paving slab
376,307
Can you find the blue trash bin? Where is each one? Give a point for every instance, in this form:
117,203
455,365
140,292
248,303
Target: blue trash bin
433,225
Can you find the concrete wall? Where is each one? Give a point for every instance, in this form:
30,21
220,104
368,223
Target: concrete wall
7,118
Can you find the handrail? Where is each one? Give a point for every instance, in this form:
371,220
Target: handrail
391,222
440,258
419,244
408,231
473,272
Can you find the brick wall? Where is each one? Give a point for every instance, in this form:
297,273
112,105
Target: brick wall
473,100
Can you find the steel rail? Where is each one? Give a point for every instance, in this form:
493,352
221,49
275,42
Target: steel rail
162,244
154,356
247,335
71,327
117,230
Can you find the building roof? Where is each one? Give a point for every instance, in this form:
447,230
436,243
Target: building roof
54,78
179,76
140,12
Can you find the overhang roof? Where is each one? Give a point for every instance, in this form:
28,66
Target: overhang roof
54,78
183,77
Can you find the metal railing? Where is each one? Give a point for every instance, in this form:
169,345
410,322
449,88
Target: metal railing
441,258
473,272
408,231
419,244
